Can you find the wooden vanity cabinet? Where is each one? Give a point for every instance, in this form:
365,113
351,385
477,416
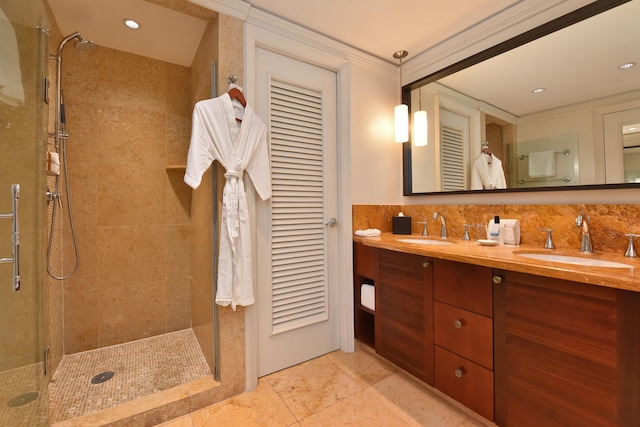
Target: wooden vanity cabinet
567,353
463,334
404,312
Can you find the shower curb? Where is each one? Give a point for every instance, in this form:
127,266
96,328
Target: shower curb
154,409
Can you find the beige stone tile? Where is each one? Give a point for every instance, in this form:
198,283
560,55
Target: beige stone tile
361,409
177,208
311,386
130,310
177,273
83,188
178,136
80,318
412,401
363,365
130,254
131,136
178,422
261,407
129,195
87,251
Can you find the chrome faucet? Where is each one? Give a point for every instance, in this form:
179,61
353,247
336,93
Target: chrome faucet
581,221
443,224
425,232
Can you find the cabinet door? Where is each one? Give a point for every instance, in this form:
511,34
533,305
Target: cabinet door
555,352
463,285
404,312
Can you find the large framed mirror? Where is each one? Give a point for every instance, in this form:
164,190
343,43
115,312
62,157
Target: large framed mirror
552,109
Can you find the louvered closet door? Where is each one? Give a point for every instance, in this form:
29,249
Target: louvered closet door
297,250
454,143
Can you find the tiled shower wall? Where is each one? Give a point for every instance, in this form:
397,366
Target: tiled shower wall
53,288
128,117
609,223
223,41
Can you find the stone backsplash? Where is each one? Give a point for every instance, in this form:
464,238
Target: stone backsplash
609,223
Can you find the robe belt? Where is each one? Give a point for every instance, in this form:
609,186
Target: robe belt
231,201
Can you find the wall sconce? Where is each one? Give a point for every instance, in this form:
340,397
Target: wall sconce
401,111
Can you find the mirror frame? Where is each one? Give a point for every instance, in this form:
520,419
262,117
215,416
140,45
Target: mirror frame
571,18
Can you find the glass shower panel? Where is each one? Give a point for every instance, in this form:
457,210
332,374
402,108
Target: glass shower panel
23,64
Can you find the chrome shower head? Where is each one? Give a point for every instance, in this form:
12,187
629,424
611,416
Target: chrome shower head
81,44
84,45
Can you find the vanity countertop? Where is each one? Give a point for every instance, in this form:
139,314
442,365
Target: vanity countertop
506,257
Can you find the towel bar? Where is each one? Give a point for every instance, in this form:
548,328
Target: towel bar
565,179
565,152
15,195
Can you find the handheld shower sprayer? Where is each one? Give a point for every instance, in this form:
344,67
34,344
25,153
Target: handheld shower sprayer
60,135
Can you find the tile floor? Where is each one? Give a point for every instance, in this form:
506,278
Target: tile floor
23,397
345,389
141,368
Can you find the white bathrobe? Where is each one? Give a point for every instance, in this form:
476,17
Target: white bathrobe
487,173
239,147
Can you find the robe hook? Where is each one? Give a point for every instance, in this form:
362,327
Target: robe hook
232,79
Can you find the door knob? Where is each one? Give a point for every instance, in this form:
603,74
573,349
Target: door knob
332,222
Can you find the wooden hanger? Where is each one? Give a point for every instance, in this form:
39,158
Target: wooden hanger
235,93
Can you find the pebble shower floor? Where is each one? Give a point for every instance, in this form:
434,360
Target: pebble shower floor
140,368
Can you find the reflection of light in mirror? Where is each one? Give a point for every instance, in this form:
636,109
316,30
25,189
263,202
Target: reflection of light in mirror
626,65
420,127
538,90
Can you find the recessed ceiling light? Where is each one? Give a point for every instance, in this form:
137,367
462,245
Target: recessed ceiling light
131,23
626,65
538,90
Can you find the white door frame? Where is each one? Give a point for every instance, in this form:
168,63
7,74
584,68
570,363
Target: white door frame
301,48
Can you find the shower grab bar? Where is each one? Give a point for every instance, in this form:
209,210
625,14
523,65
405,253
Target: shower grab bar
15,197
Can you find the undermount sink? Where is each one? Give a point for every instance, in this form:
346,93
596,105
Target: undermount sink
425,241
567,259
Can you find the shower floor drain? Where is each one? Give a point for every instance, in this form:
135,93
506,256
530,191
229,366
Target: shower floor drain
102,377
22,399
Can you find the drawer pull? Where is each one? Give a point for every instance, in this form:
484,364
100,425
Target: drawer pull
458,323
497,279
426,264
460,372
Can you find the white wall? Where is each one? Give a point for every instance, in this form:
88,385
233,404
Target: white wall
376,160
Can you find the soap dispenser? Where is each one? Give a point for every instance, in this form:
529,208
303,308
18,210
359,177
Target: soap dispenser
495,230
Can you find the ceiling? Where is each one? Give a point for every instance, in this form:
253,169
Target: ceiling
380,28
171,31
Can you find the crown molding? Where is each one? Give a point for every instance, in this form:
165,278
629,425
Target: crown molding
235,8
288,32
511,22
284,33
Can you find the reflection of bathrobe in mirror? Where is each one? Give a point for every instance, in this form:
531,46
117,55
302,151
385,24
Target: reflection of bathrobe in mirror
239,147
487,173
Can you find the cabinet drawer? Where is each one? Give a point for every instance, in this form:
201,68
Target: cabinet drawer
463,332
465,381
463,285
365,261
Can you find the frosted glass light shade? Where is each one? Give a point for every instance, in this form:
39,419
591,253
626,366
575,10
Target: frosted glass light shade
420,126
402,123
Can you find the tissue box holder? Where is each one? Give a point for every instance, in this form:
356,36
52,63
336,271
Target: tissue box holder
401,225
